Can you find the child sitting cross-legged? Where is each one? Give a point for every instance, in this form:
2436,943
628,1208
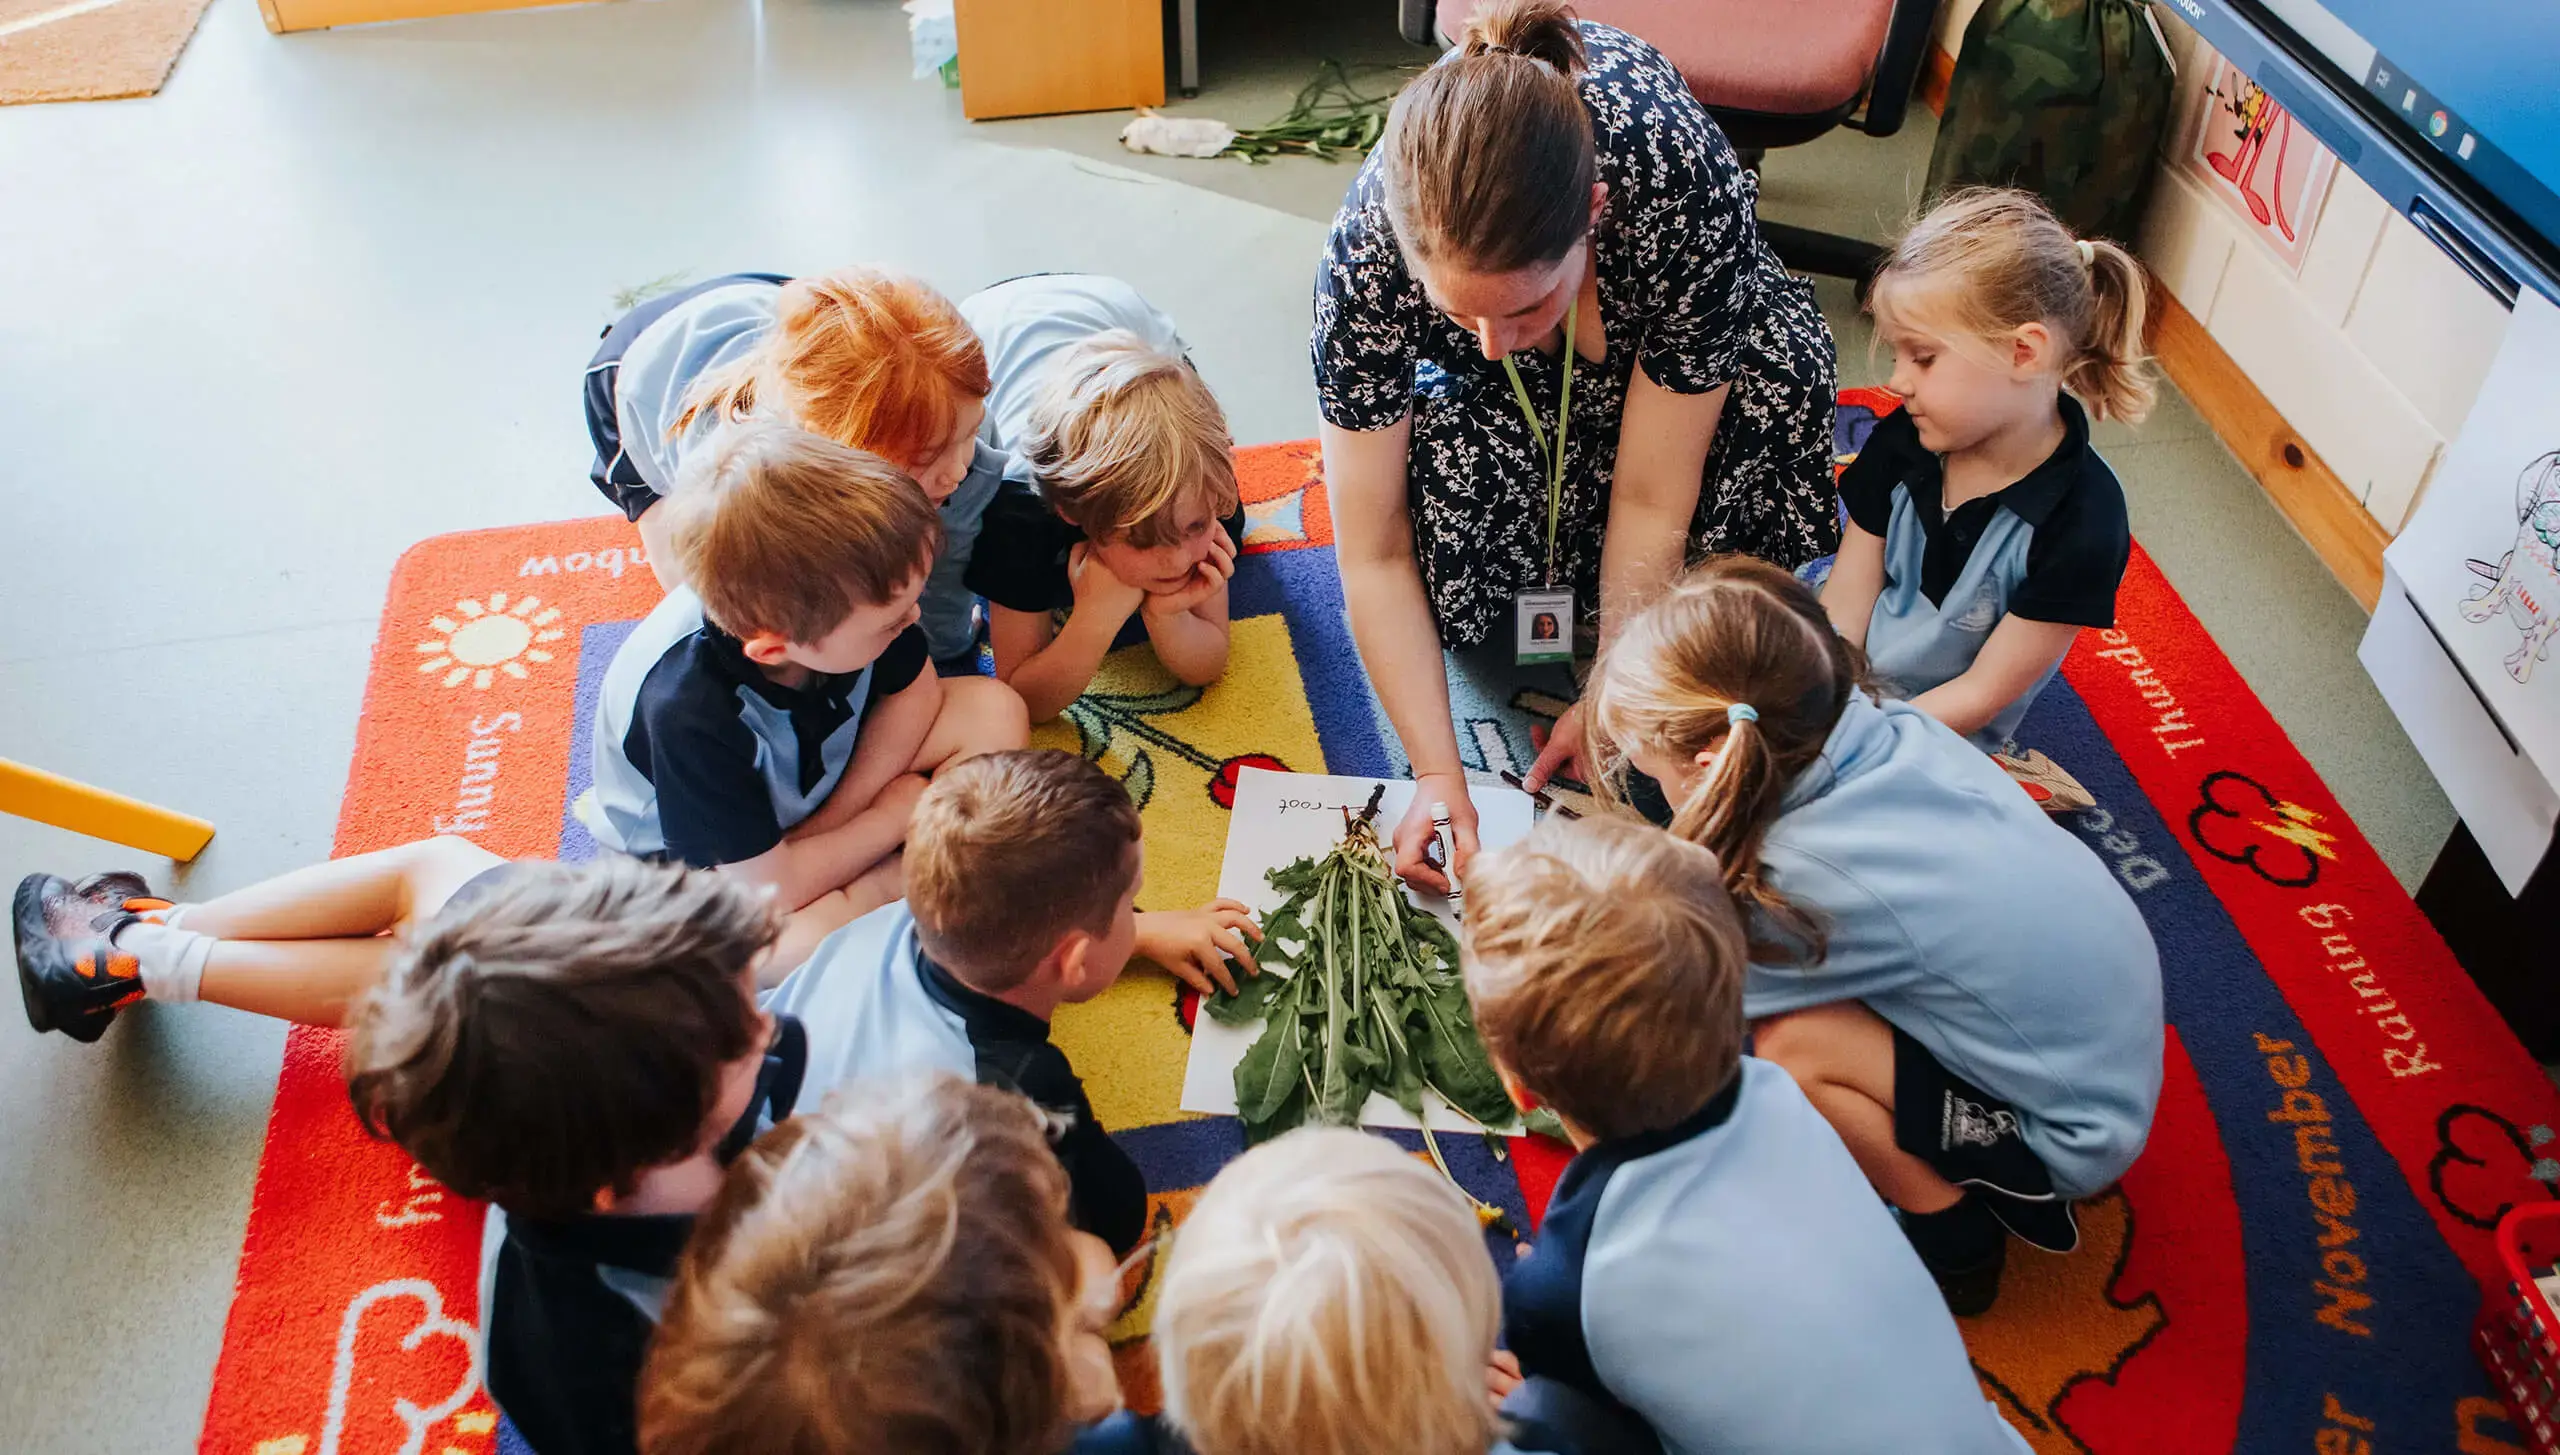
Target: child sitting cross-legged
1120,488
1984,530
894,1271
775,716
1712,1259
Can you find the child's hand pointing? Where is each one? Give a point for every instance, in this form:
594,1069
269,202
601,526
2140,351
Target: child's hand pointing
1194,945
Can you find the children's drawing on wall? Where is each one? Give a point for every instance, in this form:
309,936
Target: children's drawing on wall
2259,162
2522,587
2480,556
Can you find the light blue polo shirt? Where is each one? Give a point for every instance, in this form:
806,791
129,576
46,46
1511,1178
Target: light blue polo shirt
1960,912
1736,1283
1025,323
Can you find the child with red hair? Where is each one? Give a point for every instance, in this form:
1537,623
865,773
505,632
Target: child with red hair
873,360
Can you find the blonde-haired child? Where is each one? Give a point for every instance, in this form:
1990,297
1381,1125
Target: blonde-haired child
1961,987
1328,1295
1984,530
1711,1258
1121,498
873,360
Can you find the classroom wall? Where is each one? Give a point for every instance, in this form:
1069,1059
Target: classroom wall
2373,353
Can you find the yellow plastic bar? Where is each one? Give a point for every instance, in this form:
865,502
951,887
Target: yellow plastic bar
65,804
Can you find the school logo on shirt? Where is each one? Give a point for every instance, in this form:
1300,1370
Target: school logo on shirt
1965,1123
1984,612
2240,821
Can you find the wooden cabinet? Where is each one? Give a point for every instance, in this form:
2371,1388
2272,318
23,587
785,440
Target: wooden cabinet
1035,57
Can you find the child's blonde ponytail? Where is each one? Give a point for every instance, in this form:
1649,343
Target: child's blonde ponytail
1737,660
2109,375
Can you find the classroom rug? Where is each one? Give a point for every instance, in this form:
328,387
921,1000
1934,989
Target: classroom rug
91,50
2292,1265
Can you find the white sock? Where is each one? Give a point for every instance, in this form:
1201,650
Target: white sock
169,916
172,959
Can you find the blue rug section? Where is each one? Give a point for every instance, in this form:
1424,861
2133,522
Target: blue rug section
596,646
2221,1002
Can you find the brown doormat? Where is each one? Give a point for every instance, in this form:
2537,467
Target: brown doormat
90,50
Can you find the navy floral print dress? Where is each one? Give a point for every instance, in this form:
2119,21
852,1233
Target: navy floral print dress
1686,287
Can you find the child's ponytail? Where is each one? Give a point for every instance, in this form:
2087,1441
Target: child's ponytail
2109,375
1729,813
1736,660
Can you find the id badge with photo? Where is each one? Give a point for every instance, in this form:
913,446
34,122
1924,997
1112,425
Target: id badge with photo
1544,621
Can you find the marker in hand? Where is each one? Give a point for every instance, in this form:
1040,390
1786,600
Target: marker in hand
1448,851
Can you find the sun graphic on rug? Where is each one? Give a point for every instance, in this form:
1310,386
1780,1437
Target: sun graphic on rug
497,637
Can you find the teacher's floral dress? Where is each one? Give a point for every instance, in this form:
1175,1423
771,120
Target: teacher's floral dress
1686,287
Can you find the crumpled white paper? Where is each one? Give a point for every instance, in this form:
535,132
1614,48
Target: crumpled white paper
933,35
1173,136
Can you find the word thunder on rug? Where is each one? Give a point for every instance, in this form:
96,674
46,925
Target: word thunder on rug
2292,1265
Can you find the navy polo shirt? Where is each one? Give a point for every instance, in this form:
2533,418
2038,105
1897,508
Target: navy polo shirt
1735,1283
2073,507
702,758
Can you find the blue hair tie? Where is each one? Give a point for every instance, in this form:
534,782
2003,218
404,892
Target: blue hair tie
1741,712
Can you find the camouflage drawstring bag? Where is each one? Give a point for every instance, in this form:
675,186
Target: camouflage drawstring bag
2065,98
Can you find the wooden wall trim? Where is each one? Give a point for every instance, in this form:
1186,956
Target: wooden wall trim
2330,519
1936,75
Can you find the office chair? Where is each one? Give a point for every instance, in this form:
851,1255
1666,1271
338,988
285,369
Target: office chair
1773,73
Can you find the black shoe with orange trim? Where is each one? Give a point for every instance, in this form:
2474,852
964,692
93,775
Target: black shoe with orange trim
71,976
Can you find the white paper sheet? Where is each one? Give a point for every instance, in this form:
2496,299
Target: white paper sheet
2480,561
1279,817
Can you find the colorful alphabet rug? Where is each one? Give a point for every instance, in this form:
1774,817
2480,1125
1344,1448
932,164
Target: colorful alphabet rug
2293,1265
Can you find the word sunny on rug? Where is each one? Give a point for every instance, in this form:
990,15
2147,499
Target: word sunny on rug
2293,1265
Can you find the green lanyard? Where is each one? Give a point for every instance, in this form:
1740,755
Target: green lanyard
1564,421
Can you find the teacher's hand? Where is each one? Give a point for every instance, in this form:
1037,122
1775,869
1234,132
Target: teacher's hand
1563,749
1413,835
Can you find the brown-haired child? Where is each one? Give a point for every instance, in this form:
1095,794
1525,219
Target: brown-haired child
1712,1258
574,1042
1022,880
892,1271
773,716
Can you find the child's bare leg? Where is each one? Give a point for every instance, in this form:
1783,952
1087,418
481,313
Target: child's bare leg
979,715
364,894
883,883
1842,1055
302,946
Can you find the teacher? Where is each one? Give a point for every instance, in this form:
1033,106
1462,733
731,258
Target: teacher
1553,355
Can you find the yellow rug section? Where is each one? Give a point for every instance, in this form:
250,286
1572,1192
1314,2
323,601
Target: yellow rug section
1169,743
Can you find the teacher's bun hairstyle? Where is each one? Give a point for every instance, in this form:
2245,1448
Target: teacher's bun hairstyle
1489,153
